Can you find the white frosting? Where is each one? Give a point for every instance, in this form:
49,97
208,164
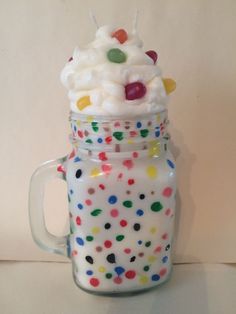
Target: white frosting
90,73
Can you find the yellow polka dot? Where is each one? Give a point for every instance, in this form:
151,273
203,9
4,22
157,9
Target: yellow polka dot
130,142
95,230
102,269
143,279
153,230
158,117
90,118
169,84
151,171
154,149
83,102
152,259
78,122
95,172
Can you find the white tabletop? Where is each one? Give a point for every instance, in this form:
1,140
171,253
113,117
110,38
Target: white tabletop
48,288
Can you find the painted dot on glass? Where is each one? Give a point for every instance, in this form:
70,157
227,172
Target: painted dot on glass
170,163
156,206
155,277
132,259
146,268
99,140
98,249
142,196
114,212
89,259
128,203
118,280
148,243
164,259
80,241
88,202
167,192
89,272
139,212
119,270
130,274
78,220
89,238
131,181
102,186
80,206
108,275
94,282
141,254
123,223
162,272
137,226
128,192
127,250
165,236
108,244
167,247
138,124
78,173
112,199
107,226
111,258
91,191
120,237
140,242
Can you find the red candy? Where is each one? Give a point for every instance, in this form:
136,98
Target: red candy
135,90
153,55
120,35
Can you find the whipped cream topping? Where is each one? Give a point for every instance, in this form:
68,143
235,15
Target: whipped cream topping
91,73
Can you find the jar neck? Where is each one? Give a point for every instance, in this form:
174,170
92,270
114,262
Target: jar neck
116,135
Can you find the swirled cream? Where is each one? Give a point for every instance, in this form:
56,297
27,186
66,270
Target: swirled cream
114,76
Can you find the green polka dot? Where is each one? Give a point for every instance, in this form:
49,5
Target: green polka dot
89,141
118,135
120,237
108,275
144,132
156,206
89,238
94,126
148,243
116,55
128,204
96,212
146,268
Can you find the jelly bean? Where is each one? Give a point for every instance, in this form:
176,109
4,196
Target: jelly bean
153,55
121,35
83,102
135,90
169,84
116,55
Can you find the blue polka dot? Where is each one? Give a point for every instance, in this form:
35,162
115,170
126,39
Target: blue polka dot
157,133
112,199
164,259
140,242
170,163
139,212
80,241
139,124
119,270
100,140
89,272
77,159
71,191
80,206
155,277
75,128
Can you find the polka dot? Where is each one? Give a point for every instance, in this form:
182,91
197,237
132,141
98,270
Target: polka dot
152,259
89,238
142,196
80,241
80,206
112,199
94,282
114,212
151,171
152,192
78,220
102,186
111,258
108,275
89,259
119,270
123,223
99,140
128,204
143,279
164,259
139,212
165,236
78,173
107,226
135,154
95,172
95,230
156,206
170,163
131,181
101,269
128,192
130,274
140,242
136,226
153,230
158,249
148,243
162,272
89,272
167,192
108,244
98,249
167,212
132,259
120,237
146,268
141,254
91,191
155,277
167,247
74,253
88,202
127,251
138,124
117,280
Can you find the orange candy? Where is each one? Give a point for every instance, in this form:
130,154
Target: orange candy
120,35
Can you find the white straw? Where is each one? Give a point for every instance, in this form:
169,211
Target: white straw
135,21
93,18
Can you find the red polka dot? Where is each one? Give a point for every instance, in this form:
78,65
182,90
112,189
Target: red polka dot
106,168
168,211
141,254
131,181
117,280
123,223
80,134
133,133
128,163
108,139
163,271
107,244
94,282
165,236
78,220
130,274
99,249
120,175
127,251
102,186
167,192
102,156
135,154
114,212
88,202
158,249
74,253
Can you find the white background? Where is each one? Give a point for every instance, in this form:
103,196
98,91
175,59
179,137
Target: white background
195,40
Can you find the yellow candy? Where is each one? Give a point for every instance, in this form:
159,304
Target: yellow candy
154,149
170,85
151,172
83,102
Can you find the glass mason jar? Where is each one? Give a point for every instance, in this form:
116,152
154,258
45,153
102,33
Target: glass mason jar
121,190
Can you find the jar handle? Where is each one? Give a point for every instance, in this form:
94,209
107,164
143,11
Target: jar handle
41,236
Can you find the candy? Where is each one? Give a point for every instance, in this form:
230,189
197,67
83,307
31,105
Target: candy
135,90
116,55
169,84
153,55
121,35
83,102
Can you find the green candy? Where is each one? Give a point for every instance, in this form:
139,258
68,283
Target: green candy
116,55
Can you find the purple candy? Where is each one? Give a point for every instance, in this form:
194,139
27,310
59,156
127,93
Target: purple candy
153,55
135,90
